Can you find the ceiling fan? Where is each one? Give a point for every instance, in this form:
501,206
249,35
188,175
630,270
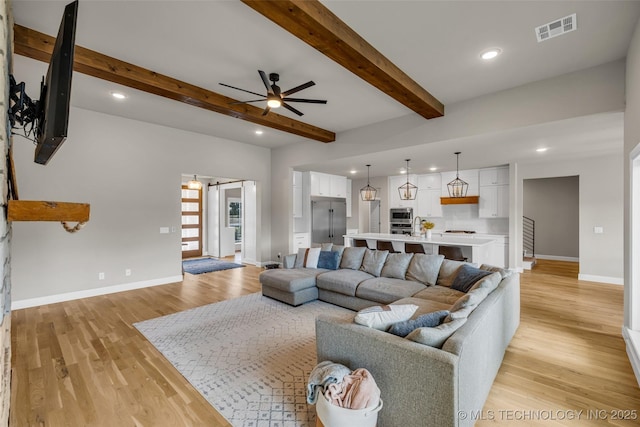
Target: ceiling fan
275,97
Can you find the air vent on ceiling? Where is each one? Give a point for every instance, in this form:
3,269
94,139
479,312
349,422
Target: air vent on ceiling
556,28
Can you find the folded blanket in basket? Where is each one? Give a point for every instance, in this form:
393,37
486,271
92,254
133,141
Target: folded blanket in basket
356,391
322,375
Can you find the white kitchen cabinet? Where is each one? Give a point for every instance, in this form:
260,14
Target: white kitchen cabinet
326,185
432,181
300,240
320,184
494,176
494,201
297,194
470,176
394,196
338,187
349,198
428,205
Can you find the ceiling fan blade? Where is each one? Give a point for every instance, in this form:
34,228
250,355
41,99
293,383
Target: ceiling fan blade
244,102
298,88
309,101
290,108
266,110
244,90
265,80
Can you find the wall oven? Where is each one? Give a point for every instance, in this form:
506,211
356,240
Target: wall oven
401,229
401,221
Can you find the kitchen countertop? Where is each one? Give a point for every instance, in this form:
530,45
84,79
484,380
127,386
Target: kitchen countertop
436,239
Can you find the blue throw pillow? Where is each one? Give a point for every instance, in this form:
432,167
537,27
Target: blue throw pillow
429,320
329,260
467,276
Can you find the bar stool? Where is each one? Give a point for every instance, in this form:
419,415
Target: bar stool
414,248
360,243
384,245
452,252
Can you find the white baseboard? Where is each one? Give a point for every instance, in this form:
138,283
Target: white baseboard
632,341
558,258
52,299
601,279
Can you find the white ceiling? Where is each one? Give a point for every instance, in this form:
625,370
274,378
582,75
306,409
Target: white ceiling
437,43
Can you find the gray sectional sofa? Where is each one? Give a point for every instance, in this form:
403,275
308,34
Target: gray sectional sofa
441,384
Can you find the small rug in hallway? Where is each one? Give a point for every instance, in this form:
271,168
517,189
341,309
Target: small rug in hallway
207,265
250,357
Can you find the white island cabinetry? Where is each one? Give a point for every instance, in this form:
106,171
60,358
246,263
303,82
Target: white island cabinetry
477,250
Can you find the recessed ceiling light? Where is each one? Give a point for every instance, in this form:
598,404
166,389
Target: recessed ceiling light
353,172
403,171
433,169
490,53
541,150
259,132
118,95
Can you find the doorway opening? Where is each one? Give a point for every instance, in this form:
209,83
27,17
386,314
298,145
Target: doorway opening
374,216
221,219
551,220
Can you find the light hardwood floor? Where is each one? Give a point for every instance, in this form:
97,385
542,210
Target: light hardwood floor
82,363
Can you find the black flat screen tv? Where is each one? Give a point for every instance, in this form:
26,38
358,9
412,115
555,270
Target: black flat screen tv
55,93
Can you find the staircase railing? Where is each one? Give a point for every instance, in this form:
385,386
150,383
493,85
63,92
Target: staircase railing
528,236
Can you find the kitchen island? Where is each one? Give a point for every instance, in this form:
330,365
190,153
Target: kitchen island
477,250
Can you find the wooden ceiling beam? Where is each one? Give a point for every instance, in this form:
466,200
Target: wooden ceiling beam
317,26
36,45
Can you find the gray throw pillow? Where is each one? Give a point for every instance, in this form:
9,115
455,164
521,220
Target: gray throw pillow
467,276
492,268
373,261
402,329
448,272
435,337
396,265
466,304
352,258
490,282
339,249
425,268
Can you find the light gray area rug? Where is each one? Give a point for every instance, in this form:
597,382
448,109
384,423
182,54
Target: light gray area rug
250,357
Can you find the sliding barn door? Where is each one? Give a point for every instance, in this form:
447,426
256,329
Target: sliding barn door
191,222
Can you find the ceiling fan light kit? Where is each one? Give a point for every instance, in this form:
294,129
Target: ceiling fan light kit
275,97
408,191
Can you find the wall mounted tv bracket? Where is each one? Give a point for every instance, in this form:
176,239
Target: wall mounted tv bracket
23,111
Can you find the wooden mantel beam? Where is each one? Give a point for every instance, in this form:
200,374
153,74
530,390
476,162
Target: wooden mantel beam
36,45
317,26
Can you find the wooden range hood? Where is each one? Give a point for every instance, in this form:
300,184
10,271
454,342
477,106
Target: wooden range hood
469,200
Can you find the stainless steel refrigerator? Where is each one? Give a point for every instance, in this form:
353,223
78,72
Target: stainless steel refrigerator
328,220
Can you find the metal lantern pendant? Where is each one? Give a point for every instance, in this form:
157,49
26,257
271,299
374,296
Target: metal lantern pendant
457,187
368,193
408,191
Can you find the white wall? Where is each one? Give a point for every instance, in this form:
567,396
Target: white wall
631,139
130,173
585,92
601,204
